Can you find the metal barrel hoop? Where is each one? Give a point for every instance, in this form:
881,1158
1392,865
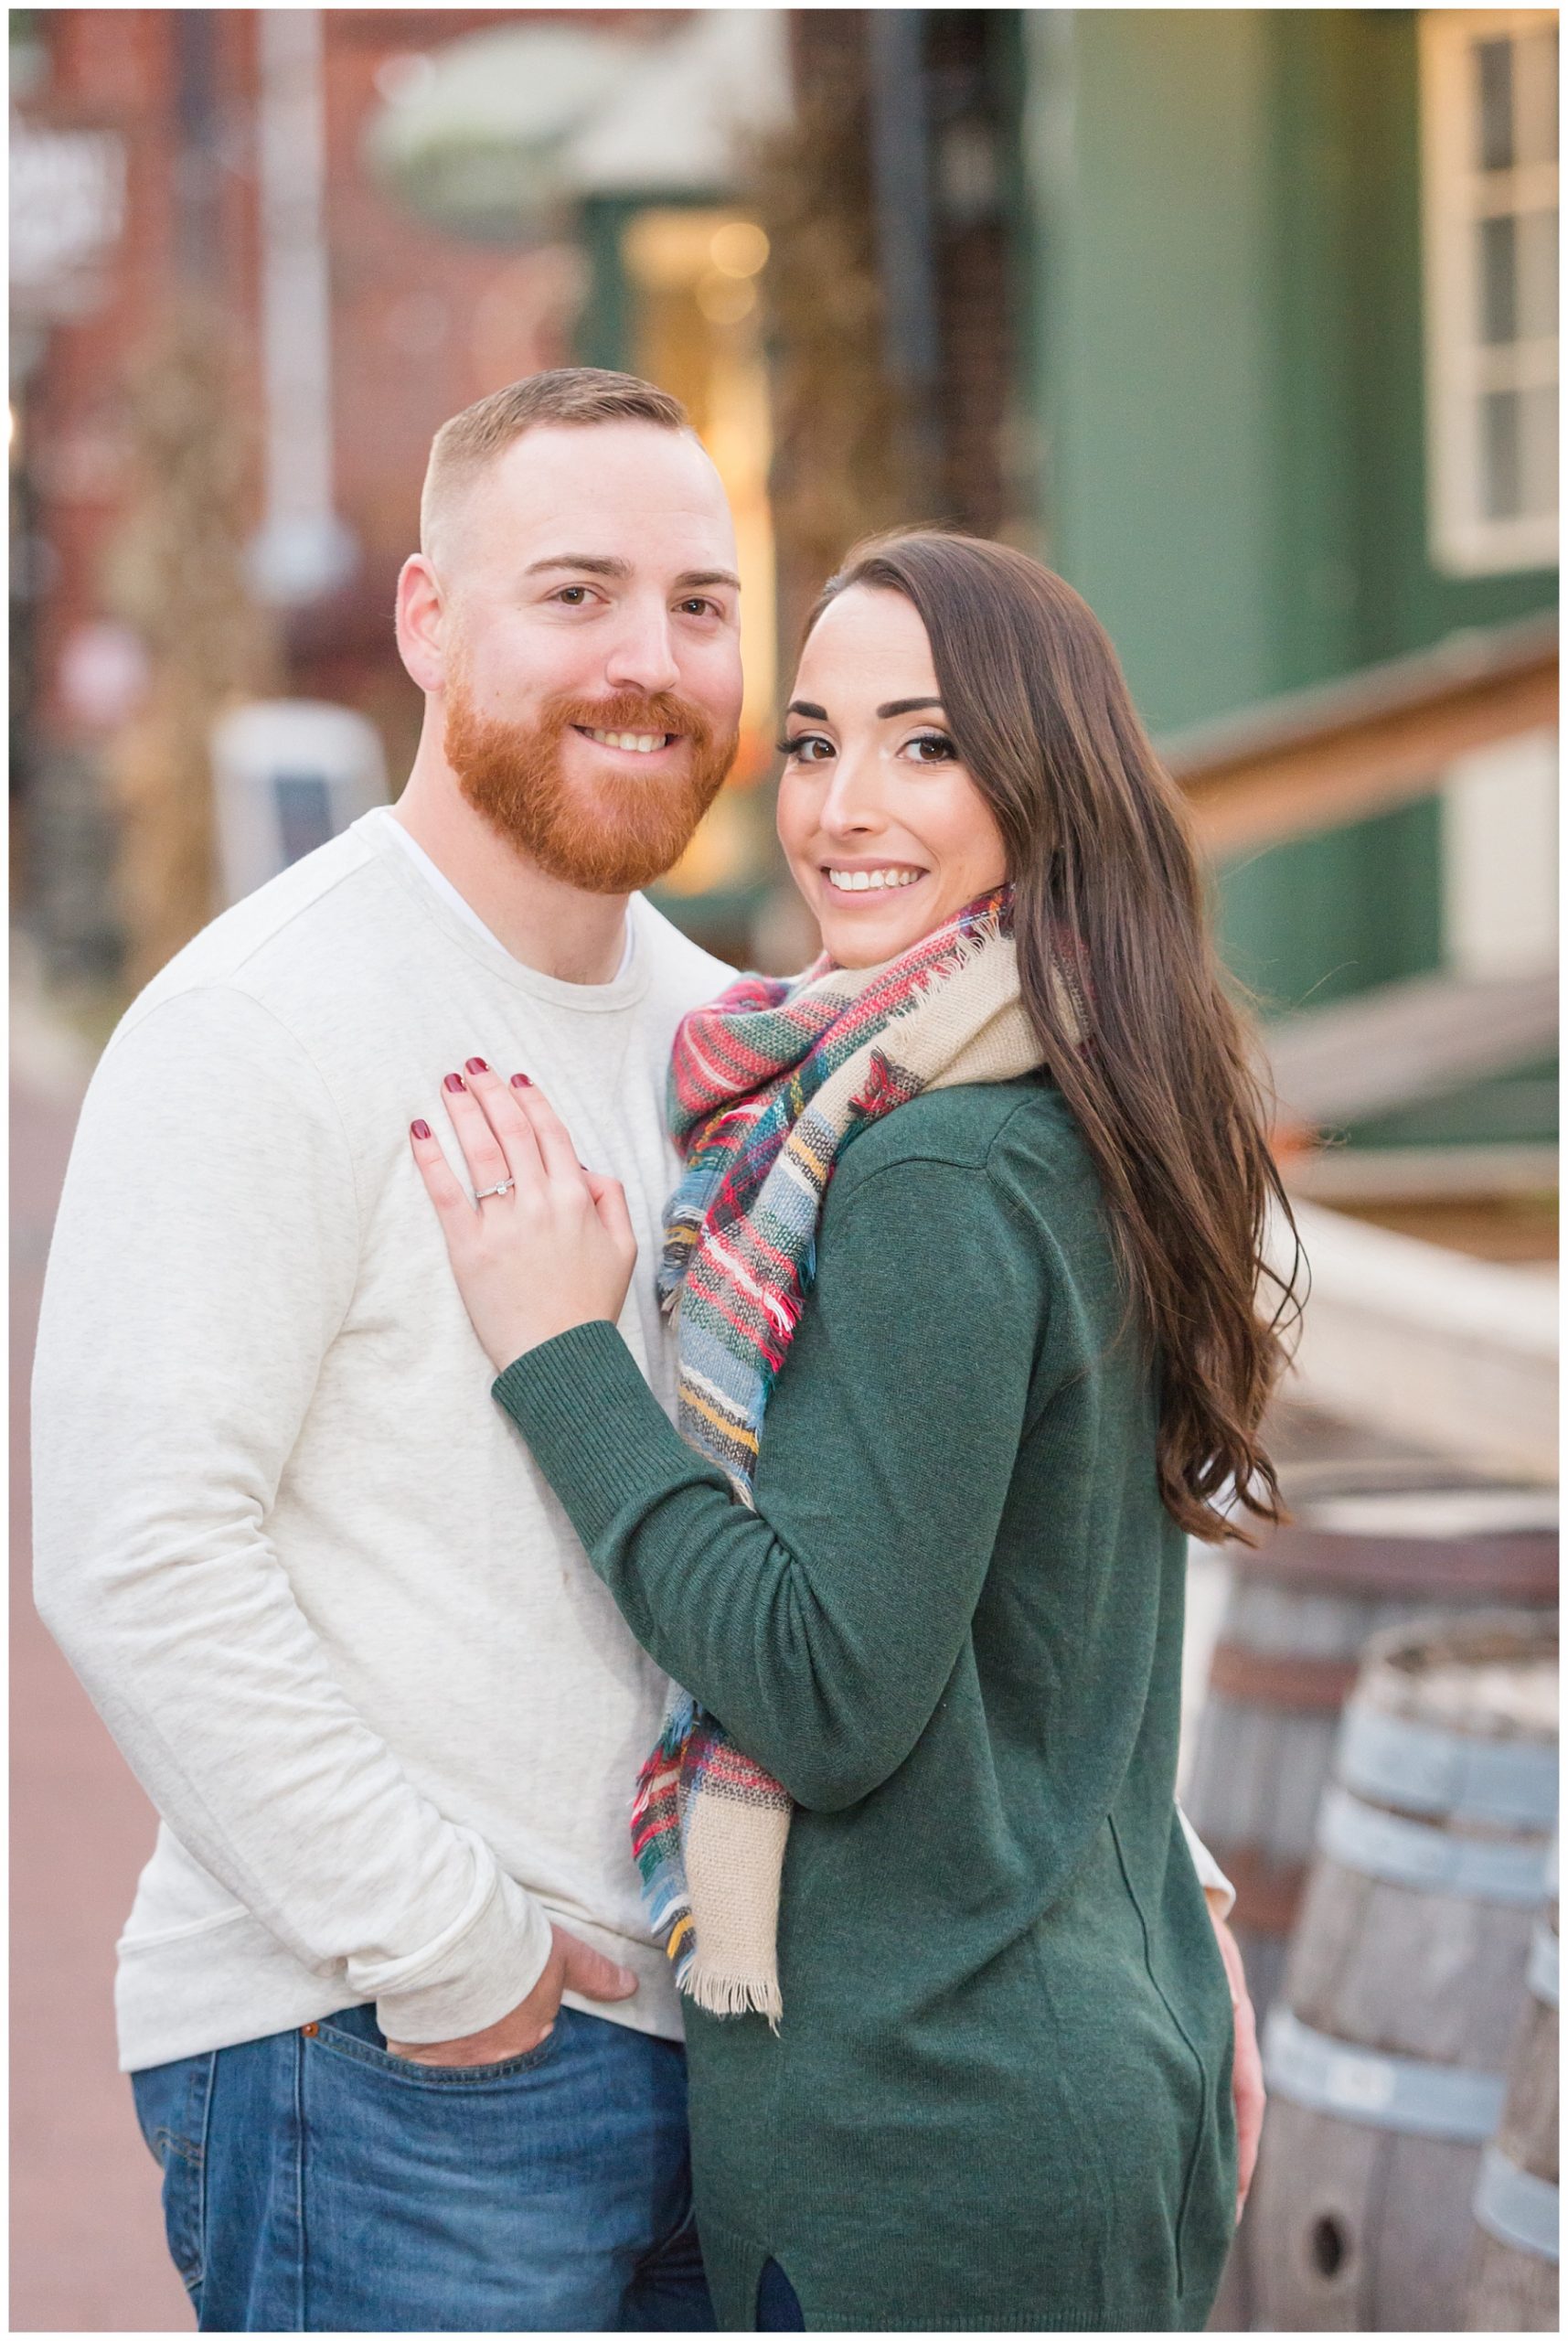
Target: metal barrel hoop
1516,2208
1366,2085
1421,1769
1385,1846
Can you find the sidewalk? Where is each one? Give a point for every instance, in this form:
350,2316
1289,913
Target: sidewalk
87,2249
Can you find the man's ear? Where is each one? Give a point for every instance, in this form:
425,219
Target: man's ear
422,623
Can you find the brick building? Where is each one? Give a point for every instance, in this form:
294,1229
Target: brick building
349,223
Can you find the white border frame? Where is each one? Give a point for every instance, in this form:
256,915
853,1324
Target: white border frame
1461,541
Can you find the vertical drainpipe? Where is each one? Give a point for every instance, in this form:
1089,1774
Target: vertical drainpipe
900,177
1046,142
302,550
196,159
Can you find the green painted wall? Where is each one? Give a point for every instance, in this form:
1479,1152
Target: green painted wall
1323,917
1223,228
1154,352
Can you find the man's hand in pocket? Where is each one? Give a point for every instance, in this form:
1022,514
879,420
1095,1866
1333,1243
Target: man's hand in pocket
572,1966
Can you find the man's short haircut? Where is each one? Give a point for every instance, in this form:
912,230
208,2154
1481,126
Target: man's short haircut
573,395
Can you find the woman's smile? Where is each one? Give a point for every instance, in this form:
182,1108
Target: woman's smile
871,877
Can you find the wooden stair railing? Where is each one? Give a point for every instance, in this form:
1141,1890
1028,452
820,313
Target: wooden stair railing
1343,750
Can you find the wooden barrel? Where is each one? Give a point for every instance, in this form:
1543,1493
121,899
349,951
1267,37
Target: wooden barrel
1512,2284
1385,2054
1354,1562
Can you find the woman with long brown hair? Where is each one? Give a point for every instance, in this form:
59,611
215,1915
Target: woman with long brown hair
975,1326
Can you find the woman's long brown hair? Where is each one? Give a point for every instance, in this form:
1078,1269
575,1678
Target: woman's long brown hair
1105,880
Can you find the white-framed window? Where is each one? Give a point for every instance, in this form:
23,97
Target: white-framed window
1489,218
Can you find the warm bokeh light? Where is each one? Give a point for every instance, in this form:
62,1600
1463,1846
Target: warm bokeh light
725,300
739,249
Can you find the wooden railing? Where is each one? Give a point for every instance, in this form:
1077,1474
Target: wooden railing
1403,1042
1343,750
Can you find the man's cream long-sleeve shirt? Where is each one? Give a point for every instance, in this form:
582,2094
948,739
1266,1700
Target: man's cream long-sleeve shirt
334,1619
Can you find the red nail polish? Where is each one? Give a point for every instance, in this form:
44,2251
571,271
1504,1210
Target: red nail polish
521,1081
420,1129
476,1065
456,1081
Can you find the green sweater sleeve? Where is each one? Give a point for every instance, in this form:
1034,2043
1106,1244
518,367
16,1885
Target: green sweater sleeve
822,1627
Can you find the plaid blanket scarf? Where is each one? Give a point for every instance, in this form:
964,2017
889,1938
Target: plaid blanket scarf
768,1086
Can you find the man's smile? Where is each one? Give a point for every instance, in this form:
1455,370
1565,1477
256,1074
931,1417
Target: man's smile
636,744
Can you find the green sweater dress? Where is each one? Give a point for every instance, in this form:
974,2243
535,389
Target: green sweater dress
999,2096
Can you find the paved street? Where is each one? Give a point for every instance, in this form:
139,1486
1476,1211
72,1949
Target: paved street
87,2252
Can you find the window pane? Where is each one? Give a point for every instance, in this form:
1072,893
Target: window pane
1536,269
1500,280
1500,456
1535,95
1494,93
1538,451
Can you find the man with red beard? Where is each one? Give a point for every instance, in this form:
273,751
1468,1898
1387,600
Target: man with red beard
399,2032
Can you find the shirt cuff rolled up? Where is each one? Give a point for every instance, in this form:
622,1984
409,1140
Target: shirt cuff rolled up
487,1961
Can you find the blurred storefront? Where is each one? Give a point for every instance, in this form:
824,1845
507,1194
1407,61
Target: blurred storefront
1243,319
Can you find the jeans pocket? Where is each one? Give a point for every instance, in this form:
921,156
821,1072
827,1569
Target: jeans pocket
171,2106
352,2040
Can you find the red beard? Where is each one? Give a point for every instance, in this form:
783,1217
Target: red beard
608,835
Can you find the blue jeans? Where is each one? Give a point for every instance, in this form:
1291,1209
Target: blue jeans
778,2311
315,2183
